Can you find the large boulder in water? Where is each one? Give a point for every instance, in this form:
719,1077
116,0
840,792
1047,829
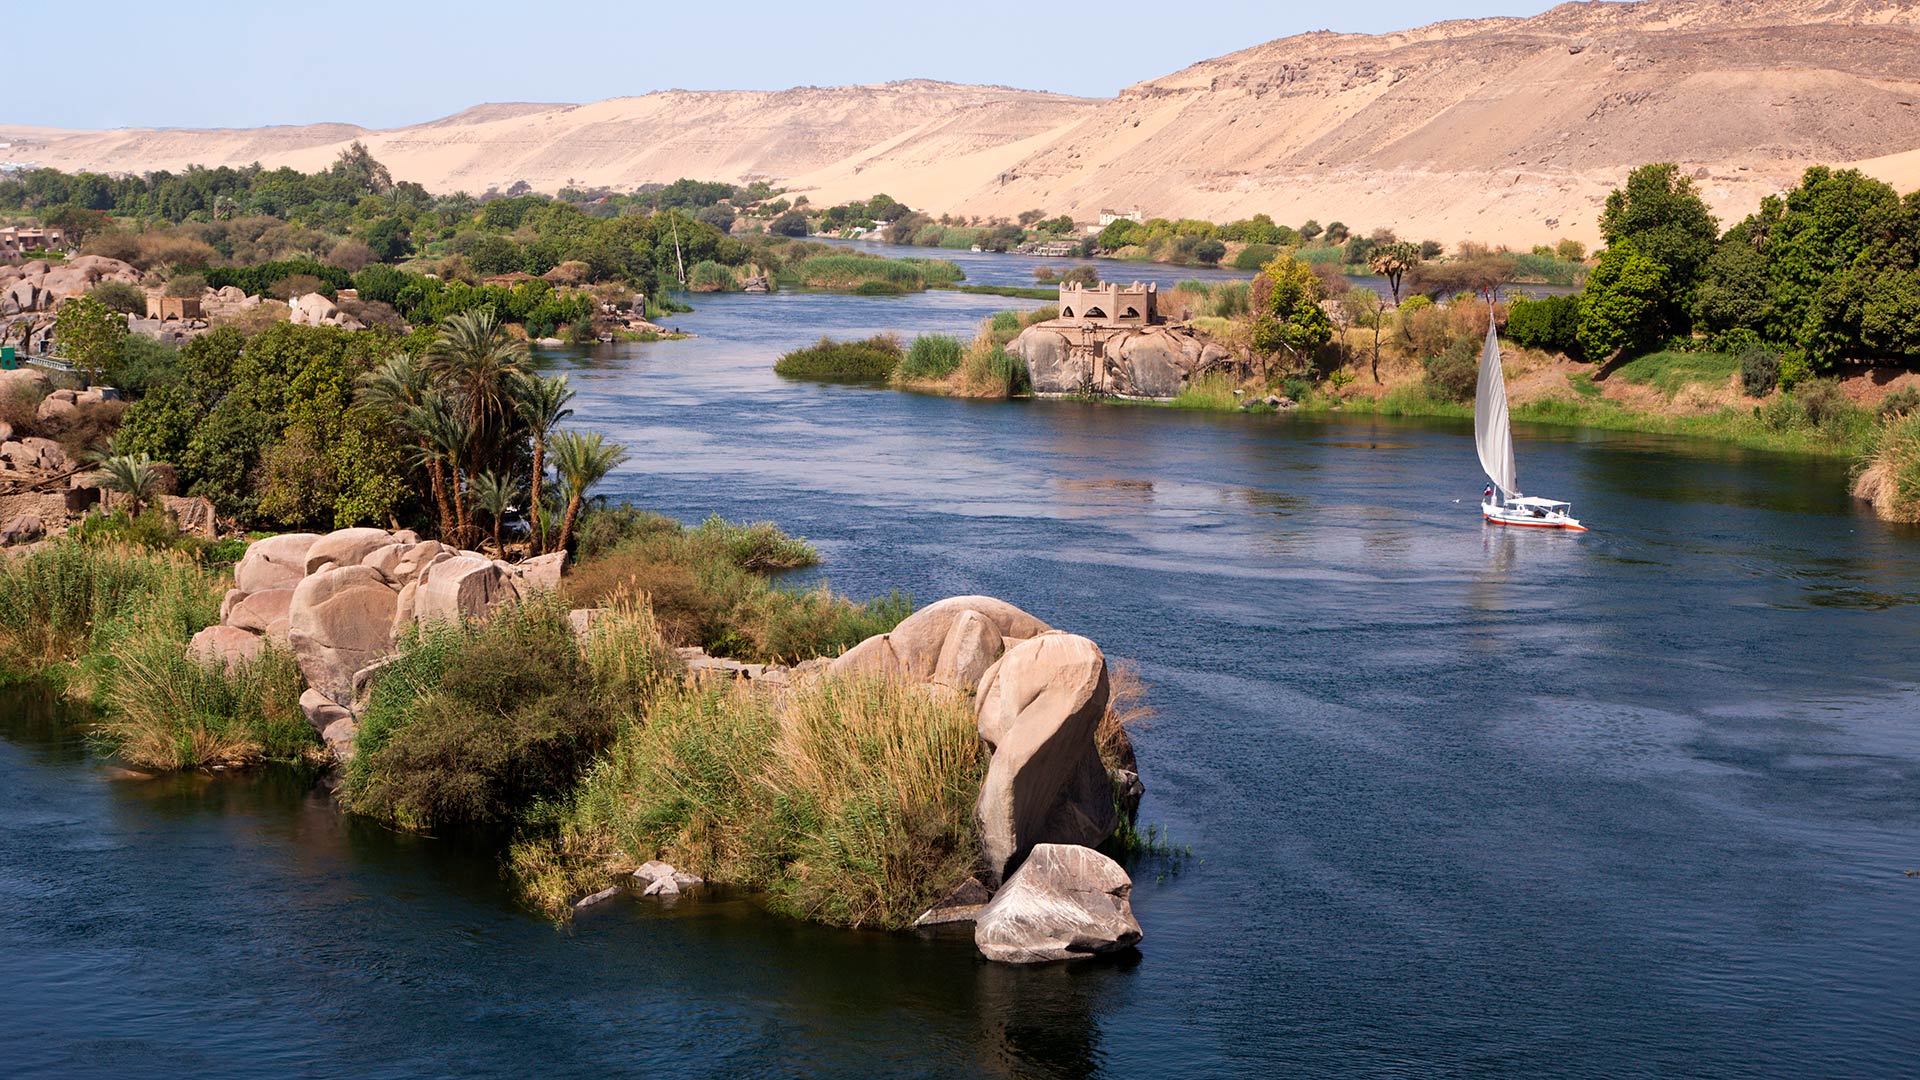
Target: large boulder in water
277,562
1154,362
1039,708
340,621
1066,902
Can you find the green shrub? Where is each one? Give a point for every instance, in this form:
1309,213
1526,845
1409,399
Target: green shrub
709,276
1898,403
1254,256
708,586
932,356
1231,299
879,288
485,721
852,806
1891,469
120,296
1453,375
1759,371
872,359
1551,323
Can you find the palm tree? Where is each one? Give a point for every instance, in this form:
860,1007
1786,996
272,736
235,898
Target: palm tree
542,404
475,357
494,494
397,386
134,477
444,434
583,459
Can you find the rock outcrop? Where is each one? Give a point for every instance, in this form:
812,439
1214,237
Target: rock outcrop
1065,903
951,642
40,286
340,600
1039,708
313,309
1154,362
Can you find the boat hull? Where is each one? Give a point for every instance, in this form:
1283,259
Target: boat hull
1521,519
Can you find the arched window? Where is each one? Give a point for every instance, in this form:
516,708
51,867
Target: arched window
1095,313
1066,313
1132,313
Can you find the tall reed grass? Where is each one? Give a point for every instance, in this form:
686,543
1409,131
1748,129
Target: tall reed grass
851,804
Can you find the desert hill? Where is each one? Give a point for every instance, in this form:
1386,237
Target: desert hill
1508,130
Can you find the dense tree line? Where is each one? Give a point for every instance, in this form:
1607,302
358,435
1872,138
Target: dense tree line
1829,271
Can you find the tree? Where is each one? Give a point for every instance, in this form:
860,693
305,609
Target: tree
494,494
1310,230
389,239
394,389
883,209
89,334
476,358
542,403
121,297
582,459
1392,261
134,476
1209,252
791,223
1620,309
1336,233
443,436
1363,308
1661,213
1287,314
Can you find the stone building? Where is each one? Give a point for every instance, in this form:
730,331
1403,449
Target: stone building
1110,304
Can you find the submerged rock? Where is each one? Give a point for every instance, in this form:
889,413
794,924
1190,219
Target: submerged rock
600,897
963,904
1066,902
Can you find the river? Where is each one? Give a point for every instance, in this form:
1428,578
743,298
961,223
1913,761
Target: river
1460,801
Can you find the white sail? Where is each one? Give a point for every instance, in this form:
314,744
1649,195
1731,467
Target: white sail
1492,427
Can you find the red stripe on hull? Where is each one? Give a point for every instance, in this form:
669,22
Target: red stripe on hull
1534,524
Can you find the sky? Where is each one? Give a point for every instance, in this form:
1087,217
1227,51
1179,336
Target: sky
221,63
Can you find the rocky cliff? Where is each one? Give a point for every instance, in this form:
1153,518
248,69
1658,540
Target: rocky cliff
1508,130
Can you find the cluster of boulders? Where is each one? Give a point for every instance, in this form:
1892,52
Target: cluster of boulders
40,285
313,309
1042,893
341,600
1150,362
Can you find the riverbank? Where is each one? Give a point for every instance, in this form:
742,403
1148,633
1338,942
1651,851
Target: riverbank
862,763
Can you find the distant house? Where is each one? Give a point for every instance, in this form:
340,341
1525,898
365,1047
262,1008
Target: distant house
173,307
17,240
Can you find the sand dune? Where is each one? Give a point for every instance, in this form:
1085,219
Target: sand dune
1506,130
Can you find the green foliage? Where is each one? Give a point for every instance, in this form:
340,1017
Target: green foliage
263,426
709,276
709,586
260,280
479,722
873,359
120,296
932,356
165,709
853,806
1286,307
90,334
1759,371
1620,309
1454,374
1212,392
141,364
1898,403
849,272
1551,323
72,598
995,372
1892,467
1255,256
1662,215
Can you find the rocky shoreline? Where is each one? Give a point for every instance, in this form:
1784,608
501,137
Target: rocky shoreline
343,602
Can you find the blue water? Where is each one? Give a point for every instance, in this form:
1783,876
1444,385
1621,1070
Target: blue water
1461,801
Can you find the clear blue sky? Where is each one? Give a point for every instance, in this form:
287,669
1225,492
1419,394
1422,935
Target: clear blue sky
224,63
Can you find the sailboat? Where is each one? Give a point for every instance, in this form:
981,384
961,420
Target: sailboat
1493,437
